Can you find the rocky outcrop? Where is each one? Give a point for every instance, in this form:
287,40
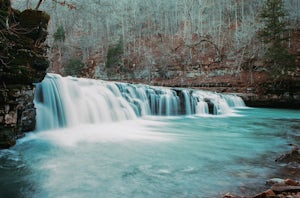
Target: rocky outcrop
17,114
277,94
23,62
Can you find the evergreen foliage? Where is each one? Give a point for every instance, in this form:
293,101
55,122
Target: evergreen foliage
274,35
114,55
74,67
60,34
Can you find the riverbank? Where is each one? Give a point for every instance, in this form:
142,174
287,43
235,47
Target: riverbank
283,183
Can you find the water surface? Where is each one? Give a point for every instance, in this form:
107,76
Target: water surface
152,156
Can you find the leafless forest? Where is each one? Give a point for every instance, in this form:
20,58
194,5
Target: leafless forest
157,35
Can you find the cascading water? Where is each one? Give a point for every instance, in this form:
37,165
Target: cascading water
68,101
80,151
187,101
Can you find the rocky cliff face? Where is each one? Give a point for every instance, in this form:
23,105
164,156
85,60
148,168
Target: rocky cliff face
23,62
17,113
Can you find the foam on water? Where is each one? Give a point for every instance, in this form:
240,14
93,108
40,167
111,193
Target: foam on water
68,102
105,132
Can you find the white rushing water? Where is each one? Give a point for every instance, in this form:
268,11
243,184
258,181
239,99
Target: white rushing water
68,101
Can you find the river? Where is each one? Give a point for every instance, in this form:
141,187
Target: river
184,155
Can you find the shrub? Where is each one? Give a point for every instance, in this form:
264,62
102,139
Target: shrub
60,34
114,55
74,67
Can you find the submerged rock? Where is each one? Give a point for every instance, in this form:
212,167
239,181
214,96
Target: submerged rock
292,156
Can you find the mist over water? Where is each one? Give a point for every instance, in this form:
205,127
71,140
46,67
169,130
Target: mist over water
133,153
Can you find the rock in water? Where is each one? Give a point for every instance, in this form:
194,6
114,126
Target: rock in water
292,156
267,193
275,181
291,182
281,189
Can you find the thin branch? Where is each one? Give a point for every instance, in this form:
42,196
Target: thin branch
38,5
4,64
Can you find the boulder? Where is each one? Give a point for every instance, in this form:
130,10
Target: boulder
268,193
277,181
291,182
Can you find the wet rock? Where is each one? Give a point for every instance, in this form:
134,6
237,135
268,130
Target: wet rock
10,118
282,182
292,156
281,189
291,182
275,181
211,106
17,115
28,120
266,194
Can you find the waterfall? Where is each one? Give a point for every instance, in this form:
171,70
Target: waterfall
69,101
187,102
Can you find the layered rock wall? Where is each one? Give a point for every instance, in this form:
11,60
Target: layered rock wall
23,62
17,113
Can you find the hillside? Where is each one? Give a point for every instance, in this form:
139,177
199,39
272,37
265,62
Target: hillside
205,43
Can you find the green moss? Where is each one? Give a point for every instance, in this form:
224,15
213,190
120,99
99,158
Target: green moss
60,34
114,55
